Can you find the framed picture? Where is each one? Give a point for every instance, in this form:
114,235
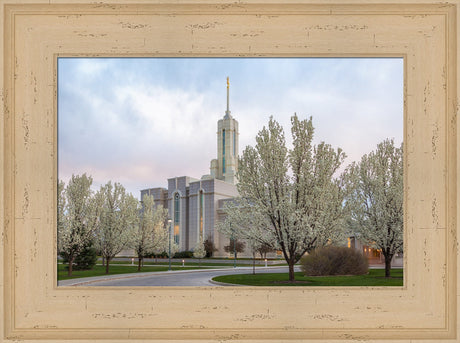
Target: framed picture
36,34
145,122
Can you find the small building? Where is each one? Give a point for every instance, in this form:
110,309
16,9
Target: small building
374,256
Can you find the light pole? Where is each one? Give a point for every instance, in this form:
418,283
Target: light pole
169,238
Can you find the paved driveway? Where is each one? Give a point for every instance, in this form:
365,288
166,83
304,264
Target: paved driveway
172,278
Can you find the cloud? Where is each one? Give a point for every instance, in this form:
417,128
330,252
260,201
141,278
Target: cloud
141,121
92,67
138,136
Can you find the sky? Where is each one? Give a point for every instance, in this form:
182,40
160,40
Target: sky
140,121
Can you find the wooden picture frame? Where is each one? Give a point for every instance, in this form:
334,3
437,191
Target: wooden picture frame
35,34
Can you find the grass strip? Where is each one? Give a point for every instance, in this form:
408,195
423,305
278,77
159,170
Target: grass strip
375,277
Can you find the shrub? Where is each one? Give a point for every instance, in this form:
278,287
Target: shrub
163,254
209,247
83,261
332,260
183,254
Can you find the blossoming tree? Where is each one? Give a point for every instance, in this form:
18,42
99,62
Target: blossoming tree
77,216
150,234
199,251
376,201
117,220
290,198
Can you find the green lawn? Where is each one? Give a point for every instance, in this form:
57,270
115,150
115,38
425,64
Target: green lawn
374,278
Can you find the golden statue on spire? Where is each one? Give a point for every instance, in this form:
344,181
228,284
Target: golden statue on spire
228,83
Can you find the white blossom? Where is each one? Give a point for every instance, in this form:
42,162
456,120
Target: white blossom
376,202
77,216
149,235
117,220
199,251
290,199
172,248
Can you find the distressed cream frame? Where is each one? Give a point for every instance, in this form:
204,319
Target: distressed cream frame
34,34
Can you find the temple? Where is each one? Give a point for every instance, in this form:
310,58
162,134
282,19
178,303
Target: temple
195,204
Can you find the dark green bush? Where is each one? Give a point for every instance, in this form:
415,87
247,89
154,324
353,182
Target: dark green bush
85,260
332,260
183,254
164,254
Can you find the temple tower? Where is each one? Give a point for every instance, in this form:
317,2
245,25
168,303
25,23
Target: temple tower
226,164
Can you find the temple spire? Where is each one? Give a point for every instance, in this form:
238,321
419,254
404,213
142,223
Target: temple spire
227,112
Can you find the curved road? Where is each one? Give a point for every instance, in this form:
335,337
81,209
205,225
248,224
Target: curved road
172,278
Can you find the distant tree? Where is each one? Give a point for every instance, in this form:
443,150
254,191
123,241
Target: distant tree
376,201
199,252
209,246
77,217
117,220
235,246
264,249
291,200
239,231
149,234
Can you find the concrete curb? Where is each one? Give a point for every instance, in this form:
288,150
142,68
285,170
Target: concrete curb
86,281
218,283
93,279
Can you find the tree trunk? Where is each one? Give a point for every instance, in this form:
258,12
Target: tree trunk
388,258
253,264
69,272
139,265
291,271
107,261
